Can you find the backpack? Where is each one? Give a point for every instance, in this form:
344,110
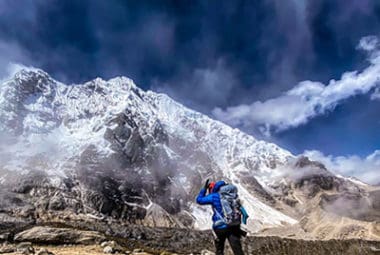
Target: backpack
230,205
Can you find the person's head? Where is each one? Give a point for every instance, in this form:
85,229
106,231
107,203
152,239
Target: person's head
211,187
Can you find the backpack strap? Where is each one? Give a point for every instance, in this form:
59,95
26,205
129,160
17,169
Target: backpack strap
219,215
222,220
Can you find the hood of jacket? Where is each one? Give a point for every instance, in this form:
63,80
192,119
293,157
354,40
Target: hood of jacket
217,186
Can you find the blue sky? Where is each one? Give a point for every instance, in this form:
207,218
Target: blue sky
264,66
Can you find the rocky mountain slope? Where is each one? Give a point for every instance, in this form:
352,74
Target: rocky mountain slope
107,150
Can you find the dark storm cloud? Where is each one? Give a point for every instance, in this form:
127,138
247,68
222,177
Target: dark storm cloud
164,43
336,28
204,53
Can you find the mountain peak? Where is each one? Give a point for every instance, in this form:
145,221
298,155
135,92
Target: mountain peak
26,73
115,123
137,155
28,81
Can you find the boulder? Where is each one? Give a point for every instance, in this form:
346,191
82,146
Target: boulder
7,249
52,235
108,250
25,248
44,251
114,245
207,252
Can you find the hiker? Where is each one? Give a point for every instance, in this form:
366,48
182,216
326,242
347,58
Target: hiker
228,214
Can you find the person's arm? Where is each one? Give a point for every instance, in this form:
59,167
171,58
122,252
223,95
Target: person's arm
244,214
202,199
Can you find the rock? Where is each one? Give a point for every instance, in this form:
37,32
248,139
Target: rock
57,203
114,245
59,236
10,223
140,252
25,248
207,252
108,250
167,253
7,249
44,251
4,237
24,245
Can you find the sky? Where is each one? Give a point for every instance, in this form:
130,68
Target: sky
303,74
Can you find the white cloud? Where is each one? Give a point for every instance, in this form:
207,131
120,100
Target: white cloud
307,99
368,43
11,53
11,68
371,44
366,169
376,94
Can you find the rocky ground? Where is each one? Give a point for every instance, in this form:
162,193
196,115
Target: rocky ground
70,250
137,240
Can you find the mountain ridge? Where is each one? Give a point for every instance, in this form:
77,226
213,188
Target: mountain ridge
110,149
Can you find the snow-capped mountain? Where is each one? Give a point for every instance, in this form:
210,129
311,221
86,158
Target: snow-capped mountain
110,149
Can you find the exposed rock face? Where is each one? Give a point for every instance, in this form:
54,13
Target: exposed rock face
353,205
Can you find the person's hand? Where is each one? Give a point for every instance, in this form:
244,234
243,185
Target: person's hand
207,183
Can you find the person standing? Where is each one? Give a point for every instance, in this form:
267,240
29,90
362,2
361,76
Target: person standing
228,214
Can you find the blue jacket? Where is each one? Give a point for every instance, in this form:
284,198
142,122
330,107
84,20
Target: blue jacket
214,200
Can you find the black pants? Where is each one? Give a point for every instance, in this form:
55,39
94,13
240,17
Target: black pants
233,235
